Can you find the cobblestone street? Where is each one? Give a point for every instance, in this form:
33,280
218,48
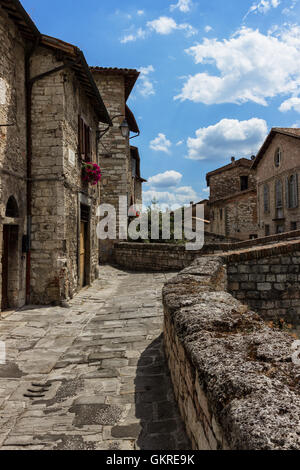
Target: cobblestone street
91,376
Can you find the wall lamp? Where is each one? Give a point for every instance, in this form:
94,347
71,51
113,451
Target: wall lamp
124,127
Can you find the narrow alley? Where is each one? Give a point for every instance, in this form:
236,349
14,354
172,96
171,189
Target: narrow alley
92,375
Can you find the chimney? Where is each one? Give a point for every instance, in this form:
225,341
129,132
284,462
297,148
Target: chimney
253,157
192,203
232,159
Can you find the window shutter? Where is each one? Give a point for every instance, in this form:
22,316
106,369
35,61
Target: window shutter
287,192
296,191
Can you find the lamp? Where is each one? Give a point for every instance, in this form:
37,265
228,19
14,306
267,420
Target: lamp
125,129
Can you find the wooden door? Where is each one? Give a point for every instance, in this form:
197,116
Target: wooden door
82,254
6,232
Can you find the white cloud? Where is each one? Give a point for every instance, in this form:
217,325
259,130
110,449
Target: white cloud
263,6
291,103
208,28
166,25
180,142
160,144
226,138
171,200
167,179
182,5
140,12
140,34
145,86
245,73
289,10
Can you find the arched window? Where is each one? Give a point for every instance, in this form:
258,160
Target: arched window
266,198
12,209
278,157
292,191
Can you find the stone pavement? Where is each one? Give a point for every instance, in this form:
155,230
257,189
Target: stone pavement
92,376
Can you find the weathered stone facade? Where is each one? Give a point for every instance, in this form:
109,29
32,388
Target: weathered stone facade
115,152
232,201
58,189
286,216
42,194
267,279
13,167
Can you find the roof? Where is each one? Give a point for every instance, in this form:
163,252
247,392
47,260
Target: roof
131,120
135,154
130,75
73,55
289,131
17,13
245,162
69,53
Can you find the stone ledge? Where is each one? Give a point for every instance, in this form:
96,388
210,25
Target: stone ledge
233,376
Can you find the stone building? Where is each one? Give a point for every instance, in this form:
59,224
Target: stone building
232,202
277,167
50,109
120,162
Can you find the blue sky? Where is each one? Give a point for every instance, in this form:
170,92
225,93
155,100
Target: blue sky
215,77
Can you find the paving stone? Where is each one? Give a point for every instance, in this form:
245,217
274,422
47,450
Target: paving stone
101,363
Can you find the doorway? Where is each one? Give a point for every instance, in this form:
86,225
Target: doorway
10,271
84,246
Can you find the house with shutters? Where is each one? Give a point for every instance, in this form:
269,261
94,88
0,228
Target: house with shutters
277,168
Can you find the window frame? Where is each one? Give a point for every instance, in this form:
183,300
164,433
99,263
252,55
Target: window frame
278,152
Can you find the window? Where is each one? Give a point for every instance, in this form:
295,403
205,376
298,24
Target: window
292,191
133,167
279,228
244,183
266,198
267,230
293,225
84,139
278,157
12,208
278,200
221,214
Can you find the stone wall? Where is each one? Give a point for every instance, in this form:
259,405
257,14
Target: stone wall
267,279
160,256
57,187
114,150
13,150
233,376
227,182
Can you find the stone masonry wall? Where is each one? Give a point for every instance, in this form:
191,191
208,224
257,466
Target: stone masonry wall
228,182
76,103
114,151
57,100
13,148
160,256
234,380
47,187
267,279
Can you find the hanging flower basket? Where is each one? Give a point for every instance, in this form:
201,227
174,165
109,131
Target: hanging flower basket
91,173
